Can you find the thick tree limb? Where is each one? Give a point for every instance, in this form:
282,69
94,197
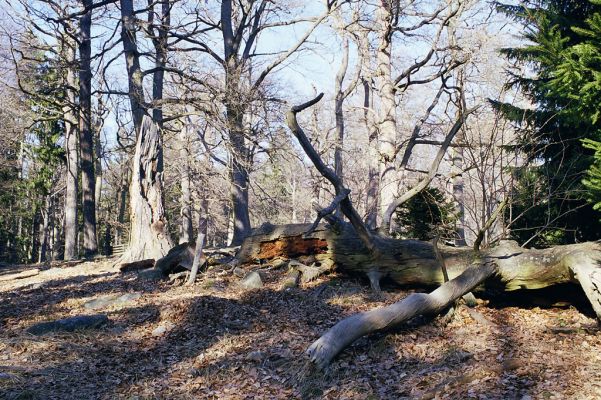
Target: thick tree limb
329,210
341,335
488,224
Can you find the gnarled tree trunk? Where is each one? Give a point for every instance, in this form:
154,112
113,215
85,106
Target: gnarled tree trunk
149,236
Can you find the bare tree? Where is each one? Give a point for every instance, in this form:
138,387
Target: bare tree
86,132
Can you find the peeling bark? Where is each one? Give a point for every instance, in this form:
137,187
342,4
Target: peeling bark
149,236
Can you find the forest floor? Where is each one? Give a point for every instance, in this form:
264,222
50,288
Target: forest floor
215,340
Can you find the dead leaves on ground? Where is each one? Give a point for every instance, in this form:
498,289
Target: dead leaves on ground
214,340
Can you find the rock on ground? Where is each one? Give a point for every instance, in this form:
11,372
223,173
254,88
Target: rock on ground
69,324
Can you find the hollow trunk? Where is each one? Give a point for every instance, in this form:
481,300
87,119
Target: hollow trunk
149,236
506,267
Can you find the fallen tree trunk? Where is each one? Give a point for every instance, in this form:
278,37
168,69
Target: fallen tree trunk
357,248
506,267
414,262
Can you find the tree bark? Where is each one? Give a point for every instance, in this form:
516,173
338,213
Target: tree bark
200,240
44,229
122,200
185,233
72,154
132,62
373,176
149,236
86,136
386,125
159,41
239,177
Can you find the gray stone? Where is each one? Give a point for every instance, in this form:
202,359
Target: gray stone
163,328
69,324
291,280
239,272
252,280
256,356
112,300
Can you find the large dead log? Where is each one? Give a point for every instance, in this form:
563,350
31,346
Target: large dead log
417,262
506,267
414,262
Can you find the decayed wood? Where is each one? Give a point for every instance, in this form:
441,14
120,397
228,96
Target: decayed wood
181,255
149,236
415,262
137,265
354,248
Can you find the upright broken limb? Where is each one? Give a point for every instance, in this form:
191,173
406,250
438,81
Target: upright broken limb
200,240
149,235
345,203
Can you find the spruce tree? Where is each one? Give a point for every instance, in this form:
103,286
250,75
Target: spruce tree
551,198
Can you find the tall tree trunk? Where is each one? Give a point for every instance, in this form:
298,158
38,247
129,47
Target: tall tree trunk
97,167
387,138
132,62
457,155
185,233
373,176
57,244
44,225
160,46
34,247
86,136
72,154
338,111
239,188
149,234
122,201
234,104
239,158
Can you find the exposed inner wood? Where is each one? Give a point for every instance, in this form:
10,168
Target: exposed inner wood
291,247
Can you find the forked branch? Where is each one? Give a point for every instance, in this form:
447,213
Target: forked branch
345,203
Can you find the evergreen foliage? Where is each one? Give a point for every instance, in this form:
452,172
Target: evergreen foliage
551,203
425,216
